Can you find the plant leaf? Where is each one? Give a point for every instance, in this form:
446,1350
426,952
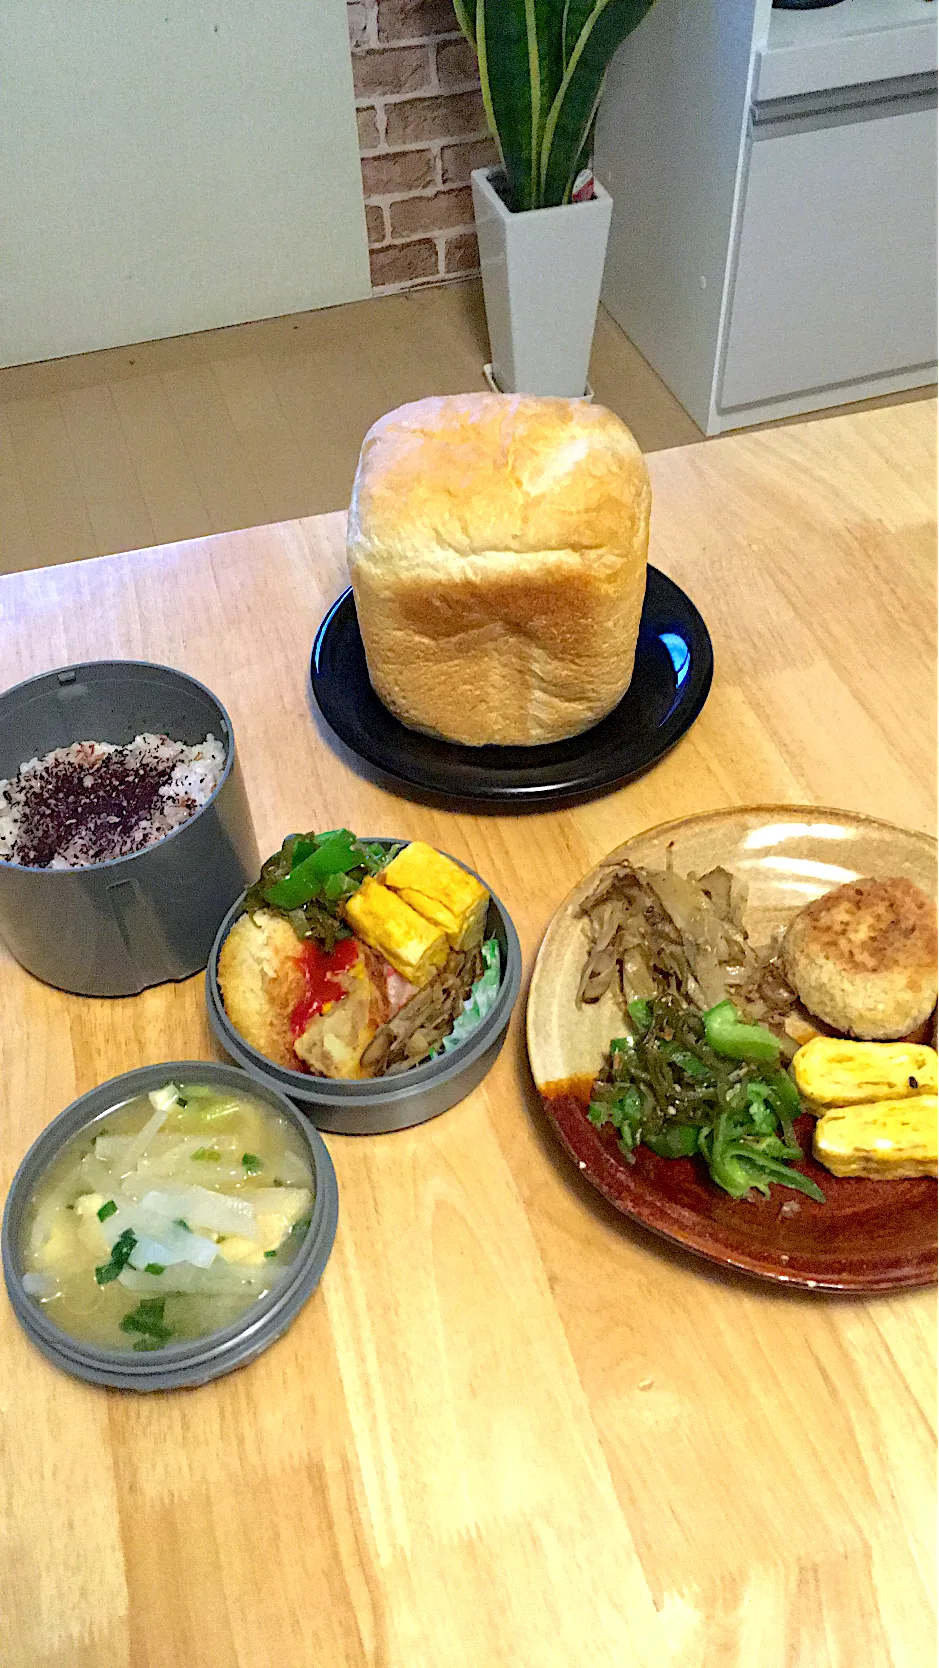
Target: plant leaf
570,28
591,32
466,18
519,47
586,151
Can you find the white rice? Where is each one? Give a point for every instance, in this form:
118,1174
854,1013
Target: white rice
196,773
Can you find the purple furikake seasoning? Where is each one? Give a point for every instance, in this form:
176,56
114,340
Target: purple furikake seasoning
92,802
94,808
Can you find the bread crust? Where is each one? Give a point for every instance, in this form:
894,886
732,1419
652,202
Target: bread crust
863,957
497,546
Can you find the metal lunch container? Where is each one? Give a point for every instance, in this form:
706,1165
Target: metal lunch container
198,1360
377,1105
115,928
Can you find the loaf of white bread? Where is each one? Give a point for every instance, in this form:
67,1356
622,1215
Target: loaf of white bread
497,547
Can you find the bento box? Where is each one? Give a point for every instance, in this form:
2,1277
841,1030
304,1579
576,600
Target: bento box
369,1105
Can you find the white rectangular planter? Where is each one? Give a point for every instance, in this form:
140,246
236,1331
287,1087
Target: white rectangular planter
542,272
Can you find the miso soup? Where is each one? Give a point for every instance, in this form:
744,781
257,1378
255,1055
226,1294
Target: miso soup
168,1218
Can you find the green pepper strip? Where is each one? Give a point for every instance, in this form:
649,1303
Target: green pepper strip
335,857
624,1113
298,847
727,1034
737,1164
762,1114
784,1096
338,886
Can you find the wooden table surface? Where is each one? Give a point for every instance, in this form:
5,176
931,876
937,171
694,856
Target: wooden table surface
509,1428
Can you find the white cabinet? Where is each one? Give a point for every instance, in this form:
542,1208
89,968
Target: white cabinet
835,280
773,247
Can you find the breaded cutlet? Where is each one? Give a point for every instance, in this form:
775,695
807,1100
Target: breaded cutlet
261,977
261,982
863,957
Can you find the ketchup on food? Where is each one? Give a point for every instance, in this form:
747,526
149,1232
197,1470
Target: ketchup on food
322,973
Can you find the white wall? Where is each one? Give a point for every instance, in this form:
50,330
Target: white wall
172,165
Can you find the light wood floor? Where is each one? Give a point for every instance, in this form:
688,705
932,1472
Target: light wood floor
261,422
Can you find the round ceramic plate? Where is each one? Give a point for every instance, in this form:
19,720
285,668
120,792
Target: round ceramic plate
672,677
868,1236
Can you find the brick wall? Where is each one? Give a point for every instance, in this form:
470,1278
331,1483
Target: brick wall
421,131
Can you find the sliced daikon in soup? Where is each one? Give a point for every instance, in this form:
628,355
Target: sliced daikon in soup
168,1218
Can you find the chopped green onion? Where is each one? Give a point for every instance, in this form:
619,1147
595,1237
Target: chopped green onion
148,1318
120,1257
270,1254
207,1155
155,1268
108,1209
251,1163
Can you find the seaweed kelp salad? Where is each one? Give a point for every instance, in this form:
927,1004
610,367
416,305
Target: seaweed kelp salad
700,1068
311,875
684,1083
169,1219
358,959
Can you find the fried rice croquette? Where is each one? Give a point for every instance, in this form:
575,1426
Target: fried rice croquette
863,957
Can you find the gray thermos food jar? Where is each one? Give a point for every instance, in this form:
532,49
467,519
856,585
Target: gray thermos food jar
115,928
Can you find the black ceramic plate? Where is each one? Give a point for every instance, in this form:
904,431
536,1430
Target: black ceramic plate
672,676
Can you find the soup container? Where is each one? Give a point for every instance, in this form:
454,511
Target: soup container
200,1359
377,1105
115,928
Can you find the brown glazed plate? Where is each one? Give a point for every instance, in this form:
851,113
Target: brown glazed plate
868,1236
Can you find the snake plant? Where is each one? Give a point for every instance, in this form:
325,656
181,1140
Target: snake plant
542,64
